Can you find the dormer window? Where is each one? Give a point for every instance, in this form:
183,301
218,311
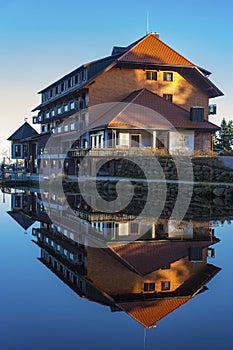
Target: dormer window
50,93
69,83
59,110
62,86
151,75
76,79
72,105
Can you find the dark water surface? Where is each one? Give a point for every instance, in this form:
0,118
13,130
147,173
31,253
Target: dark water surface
39,310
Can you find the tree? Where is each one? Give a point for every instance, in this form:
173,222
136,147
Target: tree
5,154
224,139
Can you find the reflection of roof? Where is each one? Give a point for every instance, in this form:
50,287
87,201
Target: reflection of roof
23,132
148,257
22,219
144,109
148,312
151,311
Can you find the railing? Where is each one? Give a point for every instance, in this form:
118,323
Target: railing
78,152
96,217
18,176
114,152
109,152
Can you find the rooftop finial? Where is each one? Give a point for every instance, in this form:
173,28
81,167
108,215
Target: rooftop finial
25,119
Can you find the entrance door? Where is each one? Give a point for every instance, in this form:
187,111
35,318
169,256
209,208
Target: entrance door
134,140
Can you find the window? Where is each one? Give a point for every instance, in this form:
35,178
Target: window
50,93
168,97
66,108
68,274
18,202
43,97
74,279
167,76
72,126
53,112
210,253
47,114
40,117
42,128
151,75
18,150
66,128
76,78
83,75
149,287
134,227
69,83
25,150
72,105
59,110
62,86
56,90
165,285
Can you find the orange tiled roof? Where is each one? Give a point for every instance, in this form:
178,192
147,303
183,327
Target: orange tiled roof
149,312
148,257
152,50
143,109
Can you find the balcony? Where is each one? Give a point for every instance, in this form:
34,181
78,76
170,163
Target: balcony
53,152
109,152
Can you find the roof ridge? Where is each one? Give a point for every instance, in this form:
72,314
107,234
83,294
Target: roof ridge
139,92
136,43
162,99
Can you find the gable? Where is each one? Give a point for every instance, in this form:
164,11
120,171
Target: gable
152,50
23,132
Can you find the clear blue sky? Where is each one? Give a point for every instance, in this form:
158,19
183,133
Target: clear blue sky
42,40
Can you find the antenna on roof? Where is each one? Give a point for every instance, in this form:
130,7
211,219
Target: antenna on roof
147,22
144,340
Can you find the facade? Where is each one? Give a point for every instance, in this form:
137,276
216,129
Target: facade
147,74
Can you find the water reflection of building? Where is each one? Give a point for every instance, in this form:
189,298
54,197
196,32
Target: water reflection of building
27,207
148,278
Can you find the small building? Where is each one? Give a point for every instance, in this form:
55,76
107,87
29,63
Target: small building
24,146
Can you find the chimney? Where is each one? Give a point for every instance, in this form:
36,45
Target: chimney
156,34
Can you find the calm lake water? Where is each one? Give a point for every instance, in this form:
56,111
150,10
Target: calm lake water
57,294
